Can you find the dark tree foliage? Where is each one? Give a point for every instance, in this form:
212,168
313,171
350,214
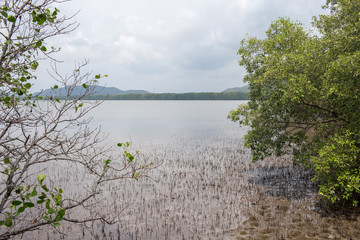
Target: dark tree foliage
305,96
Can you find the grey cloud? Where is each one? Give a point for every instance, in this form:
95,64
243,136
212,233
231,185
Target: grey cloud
175,45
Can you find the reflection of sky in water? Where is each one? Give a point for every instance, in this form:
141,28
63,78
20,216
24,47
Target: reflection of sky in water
142,120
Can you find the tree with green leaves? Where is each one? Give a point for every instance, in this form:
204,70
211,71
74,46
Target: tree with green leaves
44,141
305,97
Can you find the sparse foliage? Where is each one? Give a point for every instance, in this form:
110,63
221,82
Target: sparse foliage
41,139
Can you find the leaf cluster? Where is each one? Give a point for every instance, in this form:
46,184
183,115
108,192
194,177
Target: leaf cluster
305,95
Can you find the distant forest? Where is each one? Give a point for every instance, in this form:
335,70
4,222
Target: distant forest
174,96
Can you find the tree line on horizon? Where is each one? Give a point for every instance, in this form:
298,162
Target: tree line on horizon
174,96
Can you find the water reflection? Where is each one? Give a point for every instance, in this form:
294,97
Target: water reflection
145,120
207,186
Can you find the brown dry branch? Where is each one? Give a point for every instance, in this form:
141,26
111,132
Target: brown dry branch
51,137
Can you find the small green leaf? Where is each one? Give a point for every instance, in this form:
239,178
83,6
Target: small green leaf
47,205
45,188
61,212
34,66
29,204
43,196
85,85
6,160
11,18
33,193
40,201
4,13
43,48
41,178
51,211
98,76
8,222
21,209
56,224
16,203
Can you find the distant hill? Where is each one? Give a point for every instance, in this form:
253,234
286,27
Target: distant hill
99,90
244,89
113,93
175,96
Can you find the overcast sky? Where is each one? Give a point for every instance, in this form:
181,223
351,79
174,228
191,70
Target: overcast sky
169,45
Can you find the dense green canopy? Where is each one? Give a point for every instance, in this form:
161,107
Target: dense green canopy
305,96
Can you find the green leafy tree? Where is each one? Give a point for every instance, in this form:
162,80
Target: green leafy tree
37,135
305,96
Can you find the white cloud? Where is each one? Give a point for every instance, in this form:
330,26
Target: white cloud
168,45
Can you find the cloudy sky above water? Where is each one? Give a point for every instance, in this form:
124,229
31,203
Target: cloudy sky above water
168,45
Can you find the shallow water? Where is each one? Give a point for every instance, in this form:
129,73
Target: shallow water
206,186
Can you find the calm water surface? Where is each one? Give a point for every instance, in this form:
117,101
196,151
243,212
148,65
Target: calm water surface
146,120
207,187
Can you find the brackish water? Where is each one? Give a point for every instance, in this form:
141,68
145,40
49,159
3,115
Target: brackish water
206,186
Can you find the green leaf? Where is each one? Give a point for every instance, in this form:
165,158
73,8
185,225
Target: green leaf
51,211
4,13
21,209
29,204
85,85
45,188
40,201
56,224
43,48
98,76
41,178
33,193
8,222
34,65
11,18
16,203
61,212
43,196
6,160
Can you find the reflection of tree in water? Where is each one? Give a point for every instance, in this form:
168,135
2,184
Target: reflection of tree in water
292,182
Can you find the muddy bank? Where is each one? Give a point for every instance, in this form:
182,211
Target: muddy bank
208,188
